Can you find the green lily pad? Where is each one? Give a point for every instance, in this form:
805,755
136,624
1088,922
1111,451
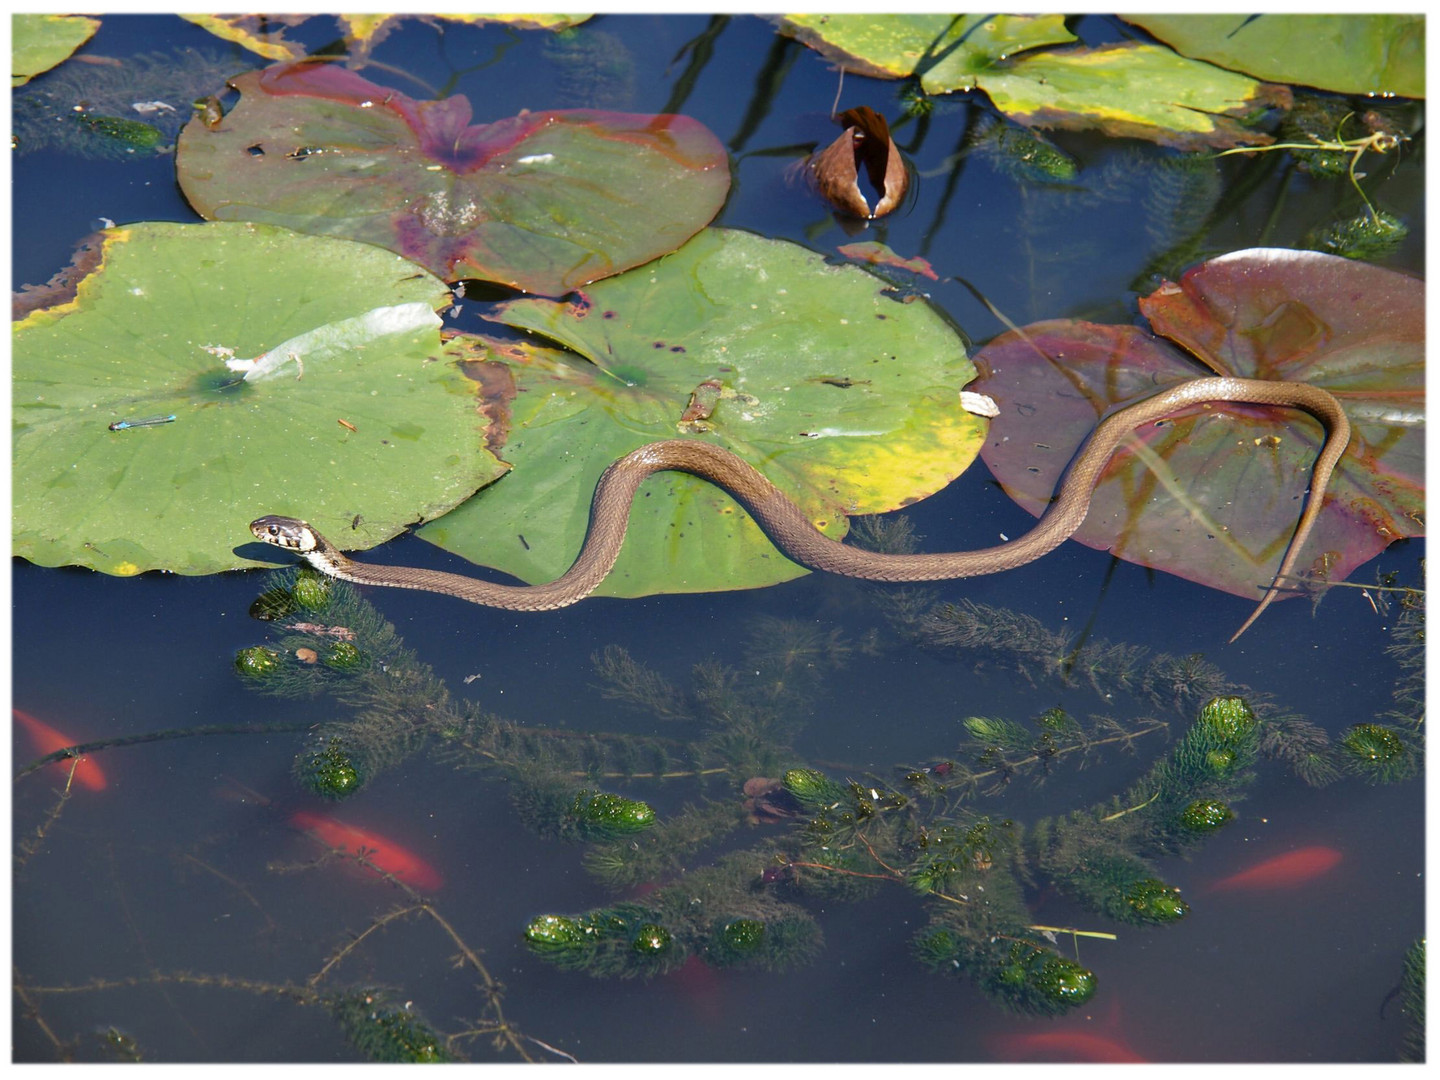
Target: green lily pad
845,397
158,326
39,42
544,201
946,51
1212,494
1350,54
1134,90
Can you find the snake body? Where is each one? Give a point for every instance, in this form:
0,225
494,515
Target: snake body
791,530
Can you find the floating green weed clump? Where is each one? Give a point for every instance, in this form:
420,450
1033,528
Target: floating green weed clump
1023,976
257,662
1368,236
624,940
1377,753
601,815
329,770
1205,815
813,788
385,1032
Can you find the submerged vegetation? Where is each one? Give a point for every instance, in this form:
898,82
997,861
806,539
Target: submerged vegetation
752,901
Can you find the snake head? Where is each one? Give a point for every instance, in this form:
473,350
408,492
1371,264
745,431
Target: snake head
289,533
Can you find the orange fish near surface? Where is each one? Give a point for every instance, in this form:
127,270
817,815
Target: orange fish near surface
389,856
1063,1046
1283,871
47,740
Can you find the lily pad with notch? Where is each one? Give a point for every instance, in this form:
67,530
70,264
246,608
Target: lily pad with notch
544,201
846,398
1213,493
357,427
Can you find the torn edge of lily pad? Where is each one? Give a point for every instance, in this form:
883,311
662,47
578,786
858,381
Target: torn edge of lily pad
349,333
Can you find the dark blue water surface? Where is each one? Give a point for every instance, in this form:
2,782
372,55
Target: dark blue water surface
157,906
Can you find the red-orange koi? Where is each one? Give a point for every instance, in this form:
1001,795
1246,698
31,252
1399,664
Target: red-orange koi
387,855
1065,1046
1283,871
700,985
47,740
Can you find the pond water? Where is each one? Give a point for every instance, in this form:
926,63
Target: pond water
177,914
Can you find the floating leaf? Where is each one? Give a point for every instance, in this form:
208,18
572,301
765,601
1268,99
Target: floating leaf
1213,494
845,398
1134,90
39,42
865,141
365,434
877,254
1130,89
544,201
947,51
1350,54
261,34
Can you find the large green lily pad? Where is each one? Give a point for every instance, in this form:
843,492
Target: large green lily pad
846,398
1135,90
149,331
946,51
1351,54
1213,493
543,201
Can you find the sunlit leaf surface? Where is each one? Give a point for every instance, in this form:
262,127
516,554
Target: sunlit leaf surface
39,42
1140,91
1132,89
1352,54
543,201
1213,494
846,398
148,333
947,51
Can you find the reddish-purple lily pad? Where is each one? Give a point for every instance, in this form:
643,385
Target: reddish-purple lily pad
543,201
1213,494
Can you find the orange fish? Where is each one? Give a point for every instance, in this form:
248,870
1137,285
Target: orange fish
1283,871
385,854
1062,1046
47,740
702,987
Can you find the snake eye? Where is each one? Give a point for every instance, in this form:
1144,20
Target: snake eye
273,529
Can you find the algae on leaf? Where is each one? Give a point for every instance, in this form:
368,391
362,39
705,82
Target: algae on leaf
845,397
363,432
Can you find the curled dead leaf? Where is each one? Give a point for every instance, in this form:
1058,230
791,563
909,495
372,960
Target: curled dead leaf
836,169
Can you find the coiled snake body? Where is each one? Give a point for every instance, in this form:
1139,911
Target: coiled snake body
790,529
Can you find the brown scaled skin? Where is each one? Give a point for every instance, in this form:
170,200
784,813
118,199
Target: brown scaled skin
792,532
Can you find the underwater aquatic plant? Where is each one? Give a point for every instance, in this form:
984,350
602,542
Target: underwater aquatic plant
256,662
1378,753
114,109
1019,152
383,1031
1372,235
